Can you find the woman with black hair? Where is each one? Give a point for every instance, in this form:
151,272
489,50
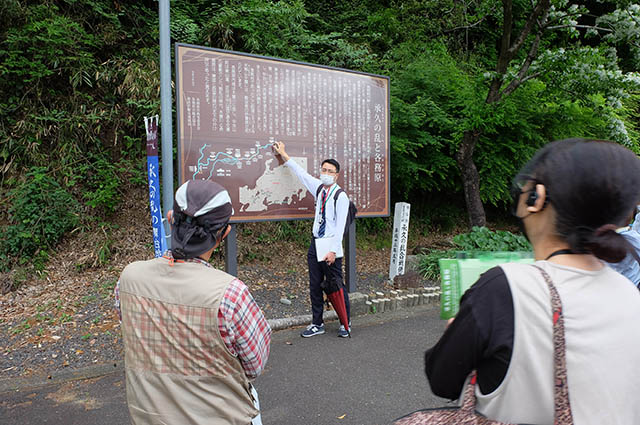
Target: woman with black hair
570,198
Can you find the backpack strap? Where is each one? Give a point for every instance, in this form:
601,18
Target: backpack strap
335,198
335,202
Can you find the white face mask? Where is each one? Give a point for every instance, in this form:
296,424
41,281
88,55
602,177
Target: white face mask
326,179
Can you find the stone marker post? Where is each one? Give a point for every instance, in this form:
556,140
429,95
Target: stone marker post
400,236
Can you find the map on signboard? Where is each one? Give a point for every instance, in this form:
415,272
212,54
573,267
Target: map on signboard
277,185
274,187
233,107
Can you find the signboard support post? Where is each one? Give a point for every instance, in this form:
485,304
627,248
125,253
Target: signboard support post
231,252
165,111
350,258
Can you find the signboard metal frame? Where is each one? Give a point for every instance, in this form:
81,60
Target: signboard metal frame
232,53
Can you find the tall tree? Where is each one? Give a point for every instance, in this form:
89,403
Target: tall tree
527,50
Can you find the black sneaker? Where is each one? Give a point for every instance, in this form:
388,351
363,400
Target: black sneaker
312,330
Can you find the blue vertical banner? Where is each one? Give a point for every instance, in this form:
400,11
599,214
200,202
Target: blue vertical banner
159,240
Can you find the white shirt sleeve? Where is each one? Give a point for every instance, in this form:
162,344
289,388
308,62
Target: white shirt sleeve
310,182
342,206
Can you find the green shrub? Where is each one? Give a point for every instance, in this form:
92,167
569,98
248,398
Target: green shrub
483,239
428,265
374,233
479,239
101,182
40,214
297,231
374,226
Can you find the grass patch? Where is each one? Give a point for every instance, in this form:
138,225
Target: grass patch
22,327
105,288
65,317
89,299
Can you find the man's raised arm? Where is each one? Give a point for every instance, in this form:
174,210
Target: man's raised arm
310,182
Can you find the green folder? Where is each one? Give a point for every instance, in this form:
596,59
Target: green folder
458,274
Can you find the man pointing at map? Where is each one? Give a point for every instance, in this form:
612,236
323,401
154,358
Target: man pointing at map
328,229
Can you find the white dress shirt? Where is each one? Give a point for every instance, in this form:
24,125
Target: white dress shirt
335,211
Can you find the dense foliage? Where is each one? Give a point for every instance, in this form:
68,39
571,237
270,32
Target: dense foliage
77,76
483,239
42,212
479,240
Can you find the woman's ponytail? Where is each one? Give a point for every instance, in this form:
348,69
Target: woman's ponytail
607,244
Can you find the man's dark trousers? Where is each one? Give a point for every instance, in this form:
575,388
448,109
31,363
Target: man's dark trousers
318,271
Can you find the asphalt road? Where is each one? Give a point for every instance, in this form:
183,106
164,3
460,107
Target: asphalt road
98,401
372,378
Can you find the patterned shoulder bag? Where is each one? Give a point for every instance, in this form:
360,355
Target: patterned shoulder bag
467,414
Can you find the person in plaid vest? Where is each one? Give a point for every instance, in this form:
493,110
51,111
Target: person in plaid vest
194,337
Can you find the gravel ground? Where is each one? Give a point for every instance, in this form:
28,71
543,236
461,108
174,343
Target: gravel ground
61,335
296,290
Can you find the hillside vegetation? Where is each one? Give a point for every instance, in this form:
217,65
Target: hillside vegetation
476,87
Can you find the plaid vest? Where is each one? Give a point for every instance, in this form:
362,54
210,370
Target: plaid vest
178,369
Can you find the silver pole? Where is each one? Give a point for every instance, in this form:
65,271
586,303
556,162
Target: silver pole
166,113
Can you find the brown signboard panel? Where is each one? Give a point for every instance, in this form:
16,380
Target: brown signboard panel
232,107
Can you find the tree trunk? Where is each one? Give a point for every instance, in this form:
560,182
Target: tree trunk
510,45
471,178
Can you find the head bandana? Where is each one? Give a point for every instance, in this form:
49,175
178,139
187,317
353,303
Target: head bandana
201,211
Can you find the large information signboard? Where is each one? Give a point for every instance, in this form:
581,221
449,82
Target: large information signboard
232,107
